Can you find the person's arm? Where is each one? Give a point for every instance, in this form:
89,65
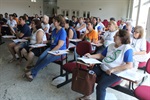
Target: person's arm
60,44
140,53
39,37
81,27
95,56
120,68
70,34
45,29
128,59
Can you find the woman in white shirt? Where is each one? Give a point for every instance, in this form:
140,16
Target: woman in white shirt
138,43
38,37
116,58
81,26
45,25
108,37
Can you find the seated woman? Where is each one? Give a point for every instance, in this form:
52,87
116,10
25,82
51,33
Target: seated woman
116,58
71,33
45,24
108,37
91,35
81,26
96,25
38,37
58,42
138,43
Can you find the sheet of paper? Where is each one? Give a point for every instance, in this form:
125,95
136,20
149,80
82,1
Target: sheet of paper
8,36
129,74
75,40
38,45
19,40
89,60
58,52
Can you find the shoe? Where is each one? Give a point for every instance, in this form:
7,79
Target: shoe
84,98
29,78
12,60
28,68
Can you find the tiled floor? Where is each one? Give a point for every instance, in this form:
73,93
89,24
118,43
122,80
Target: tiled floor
14,87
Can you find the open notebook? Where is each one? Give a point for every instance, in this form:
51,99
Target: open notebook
88,60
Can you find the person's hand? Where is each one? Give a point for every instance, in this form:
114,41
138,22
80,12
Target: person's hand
110,71
30,49
87,55
99,44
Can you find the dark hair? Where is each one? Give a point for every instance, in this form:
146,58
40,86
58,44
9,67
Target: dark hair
37,23
124,36
112,18
95,18
69,22
22,18
15,15
60,19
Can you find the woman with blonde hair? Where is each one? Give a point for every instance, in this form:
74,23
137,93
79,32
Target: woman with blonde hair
45,25
138,43
108,37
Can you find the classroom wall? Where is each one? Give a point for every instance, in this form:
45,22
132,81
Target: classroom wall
21,6
99,8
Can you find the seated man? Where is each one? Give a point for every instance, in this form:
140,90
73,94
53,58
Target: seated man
12,24
25,31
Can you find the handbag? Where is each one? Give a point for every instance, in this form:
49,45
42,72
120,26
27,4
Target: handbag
82,81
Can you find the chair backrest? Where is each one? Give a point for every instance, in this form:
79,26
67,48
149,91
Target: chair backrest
83,47
67,42
78,34
143,64
147,47
148,66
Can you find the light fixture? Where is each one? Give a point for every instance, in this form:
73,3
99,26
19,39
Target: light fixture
33,0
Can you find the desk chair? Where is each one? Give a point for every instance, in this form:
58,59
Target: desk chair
61,60
143,92
142,65
5,30
82,48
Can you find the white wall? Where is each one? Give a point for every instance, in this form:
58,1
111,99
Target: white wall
21,6
110,8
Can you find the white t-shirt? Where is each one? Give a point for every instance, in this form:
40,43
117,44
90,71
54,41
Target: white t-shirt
33,37
116,56
12,23
138,44
102,26
45,26
109,37
83,29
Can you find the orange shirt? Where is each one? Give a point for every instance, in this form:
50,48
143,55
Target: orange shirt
93,35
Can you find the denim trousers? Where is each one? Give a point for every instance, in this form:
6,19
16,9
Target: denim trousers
103,81
44,59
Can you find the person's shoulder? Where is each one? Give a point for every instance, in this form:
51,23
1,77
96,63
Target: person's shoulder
127,46
41,30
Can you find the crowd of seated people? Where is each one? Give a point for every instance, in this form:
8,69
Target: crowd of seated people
105,37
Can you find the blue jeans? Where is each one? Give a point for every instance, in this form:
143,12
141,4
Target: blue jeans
104,81
43,61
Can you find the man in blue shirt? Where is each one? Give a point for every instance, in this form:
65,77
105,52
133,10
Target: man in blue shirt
25,32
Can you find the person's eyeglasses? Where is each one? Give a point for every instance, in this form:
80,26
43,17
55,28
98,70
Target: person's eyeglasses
136,32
